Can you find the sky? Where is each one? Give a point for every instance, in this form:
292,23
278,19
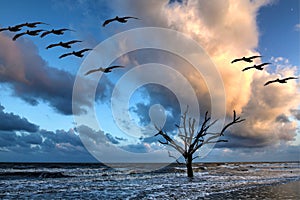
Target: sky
177,53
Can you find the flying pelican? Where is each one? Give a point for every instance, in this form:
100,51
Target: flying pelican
75,53
258,67
104,70
119,19
12,28
246,59
32,33
32,24
56,32
63,44
280,80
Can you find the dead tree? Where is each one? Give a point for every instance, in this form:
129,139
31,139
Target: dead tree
193,139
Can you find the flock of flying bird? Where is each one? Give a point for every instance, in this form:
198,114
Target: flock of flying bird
44,33
260,67
68,44
79,53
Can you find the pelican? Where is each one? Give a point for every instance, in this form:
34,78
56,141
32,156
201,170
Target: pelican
56,32
63,44
258,67
246,59
104,70
32,24
280,80
12,28
32,33
119,19
75,53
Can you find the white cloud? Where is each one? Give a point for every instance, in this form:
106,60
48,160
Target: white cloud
297,27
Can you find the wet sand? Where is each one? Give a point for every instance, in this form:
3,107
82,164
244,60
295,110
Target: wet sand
290,190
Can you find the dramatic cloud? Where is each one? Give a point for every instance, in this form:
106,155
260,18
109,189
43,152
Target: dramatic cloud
33,80
12,122
227,29
43,145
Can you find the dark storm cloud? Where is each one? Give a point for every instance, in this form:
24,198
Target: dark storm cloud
282,118
235,141
33,80
111,138
158,95
52,144
296,113
12,122
61,136
7,138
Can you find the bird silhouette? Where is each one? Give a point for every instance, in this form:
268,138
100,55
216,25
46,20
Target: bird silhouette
104,70
246,59
280,80
118,19
56,32
63,44
12,28
75,53
258,67
32,33
32,24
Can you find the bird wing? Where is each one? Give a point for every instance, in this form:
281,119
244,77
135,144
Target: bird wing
37,31
73,41
18,35
236,60
64,29
269,82
45,33
64,55
247,68
252,57
52,45
116,66
3,29
83,50
129,17
35,23
20,25
108,21
264,64
288,78
94,70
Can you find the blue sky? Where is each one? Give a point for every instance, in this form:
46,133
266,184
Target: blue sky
37,119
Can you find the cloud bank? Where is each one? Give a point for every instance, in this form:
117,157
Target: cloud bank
228,29
31,79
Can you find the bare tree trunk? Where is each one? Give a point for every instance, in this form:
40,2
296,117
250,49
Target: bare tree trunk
189,166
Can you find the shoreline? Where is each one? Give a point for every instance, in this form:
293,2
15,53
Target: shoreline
285,190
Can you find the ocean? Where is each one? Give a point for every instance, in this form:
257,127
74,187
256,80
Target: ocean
136,181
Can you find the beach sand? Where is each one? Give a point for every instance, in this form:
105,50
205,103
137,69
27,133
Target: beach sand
290,190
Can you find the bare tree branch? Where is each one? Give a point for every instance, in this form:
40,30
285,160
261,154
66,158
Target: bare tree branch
192,139
234,121
170,155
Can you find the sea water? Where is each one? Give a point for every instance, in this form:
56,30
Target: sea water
124,181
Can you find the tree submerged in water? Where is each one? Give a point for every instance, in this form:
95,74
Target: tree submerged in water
193,139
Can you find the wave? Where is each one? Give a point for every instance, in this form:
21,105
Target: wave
26,174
